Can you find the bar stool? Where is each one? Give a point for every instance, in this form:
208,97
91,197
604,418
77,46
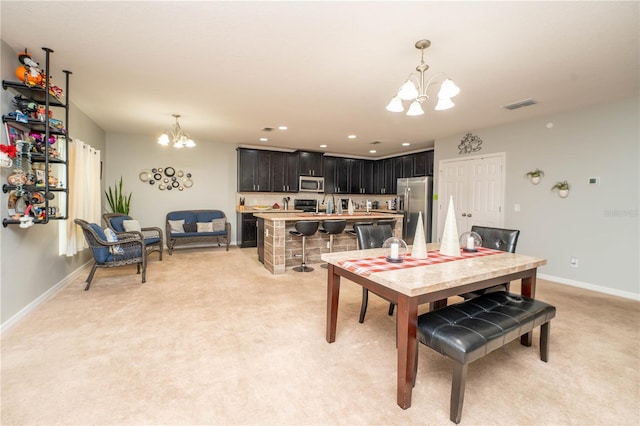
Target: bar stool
391,222
354,231
332,227
304,229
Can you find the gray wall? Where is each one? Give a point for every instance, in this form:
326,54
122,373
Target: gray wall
30,265
213,166
598,224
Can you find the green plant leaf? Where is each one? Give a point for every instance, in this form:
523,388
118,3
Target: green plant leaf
118,201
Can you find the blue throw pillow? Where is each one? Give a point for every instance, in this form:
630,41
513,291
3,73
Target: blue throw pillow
100,254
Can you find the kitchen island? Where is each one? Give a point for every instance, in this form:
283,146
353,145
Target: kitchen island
277,247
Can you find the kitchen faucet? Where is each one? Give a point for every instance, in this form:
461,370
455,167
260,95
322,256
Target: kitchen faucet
333,200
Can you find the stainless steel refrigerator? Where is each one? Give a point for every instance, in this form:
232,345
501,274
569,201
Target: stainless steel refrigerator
415,195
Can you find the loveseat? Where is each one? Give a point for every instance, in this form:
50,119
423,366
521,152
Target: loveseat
185,227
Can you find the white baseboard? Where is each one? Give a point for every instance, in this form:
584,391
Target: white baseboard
41,299
593,287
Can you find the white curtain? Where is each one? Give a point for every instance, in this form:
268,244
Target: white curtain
84,195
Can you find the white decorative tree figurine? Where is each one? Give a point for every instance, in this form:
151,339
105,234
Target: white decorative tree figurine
419,250
450,245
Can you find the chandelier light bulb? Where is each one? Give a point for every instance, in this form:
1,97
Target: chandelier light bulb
163,139
408,91
395,105
448,89
444,103
415,109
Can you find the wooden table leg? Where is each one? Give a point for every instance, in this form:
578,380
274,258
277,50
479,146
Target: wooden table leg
528,288
333,294
407,322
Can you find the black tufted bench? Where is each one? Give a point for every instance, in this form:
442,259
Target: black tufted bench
469,330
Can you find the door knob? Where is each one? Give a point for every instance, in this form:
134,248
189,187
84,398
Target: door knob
469,215
464,215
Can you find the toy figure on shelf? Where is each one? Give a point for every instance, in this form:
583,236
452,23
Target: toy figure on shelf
26,106
31,75
28,72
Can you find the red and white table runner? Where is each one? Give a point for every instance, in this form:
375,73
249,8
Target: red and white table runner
369,265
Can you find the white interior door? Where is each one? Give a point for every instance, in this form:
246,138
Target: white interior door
477,186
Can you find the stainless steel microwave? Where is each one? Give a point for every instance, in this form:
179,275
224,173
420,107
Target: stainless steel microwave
311,184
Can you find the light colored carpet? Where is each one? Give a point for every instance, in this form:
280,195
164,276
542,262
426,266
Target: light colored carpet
213,338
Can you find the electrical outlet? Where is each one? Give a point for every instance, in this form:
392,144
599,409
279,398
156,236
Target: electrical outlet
327,244
266,232
573,262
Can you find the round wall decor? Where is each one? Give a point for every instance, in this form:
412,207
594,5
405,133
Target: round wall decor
167,178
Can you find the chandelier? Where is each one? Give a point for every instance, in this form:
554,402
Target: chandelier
415,89
176,136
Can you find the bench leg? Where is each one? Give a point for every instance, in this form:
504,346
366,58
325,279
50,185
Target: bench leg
457,391
365,302
544,341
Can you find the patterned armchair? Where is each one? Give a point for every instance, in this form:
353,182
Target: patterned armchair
129,249
152,236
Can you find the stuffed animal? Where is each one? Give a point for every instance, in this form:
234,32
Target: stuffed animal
28,72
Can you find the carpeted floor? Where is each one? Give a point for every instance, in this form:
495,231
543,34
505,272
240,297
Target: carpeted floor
213,338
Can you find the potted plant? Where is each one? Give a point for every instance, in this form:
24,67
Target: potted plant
562,187
118,201
534,176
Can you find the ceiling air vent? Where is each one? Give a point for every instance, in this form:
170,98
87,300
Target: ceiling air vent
375,142
268,129
520,104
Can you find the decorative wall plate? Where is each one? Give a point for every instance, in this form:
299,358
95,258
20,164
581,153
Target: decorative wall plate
145,175
169,171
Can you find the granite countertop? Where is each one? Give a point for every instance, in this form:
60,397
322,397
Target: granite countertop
252,209
321,216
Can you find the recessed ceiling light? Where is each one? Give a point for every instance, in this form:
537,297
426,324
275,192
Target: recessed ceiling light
263,139
406,144
282,127
323,146
372,151
351,136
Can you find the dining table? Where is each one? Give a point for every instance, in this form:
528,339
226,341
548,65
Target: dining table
414,282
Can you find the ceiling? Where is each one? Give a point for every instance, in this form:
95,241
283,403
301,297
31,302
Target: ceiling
326,69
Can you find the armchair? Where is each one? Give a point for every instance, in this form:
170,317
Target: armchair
128,250
152,236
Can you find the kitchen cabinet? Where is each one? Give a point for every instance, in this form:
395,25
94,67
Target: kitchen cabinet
343,166
336,175
247,230
310,163
386,172
407,166
39,182
284,172
422,164
329,166
254,170
361,177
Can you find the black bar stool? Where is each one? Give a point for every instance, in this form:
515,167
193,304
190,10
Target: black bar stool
332,227
304,229
354,231
390,222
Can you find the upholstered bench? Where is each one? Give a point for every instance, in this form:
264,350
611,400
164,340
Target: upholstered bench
469,330
197,227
